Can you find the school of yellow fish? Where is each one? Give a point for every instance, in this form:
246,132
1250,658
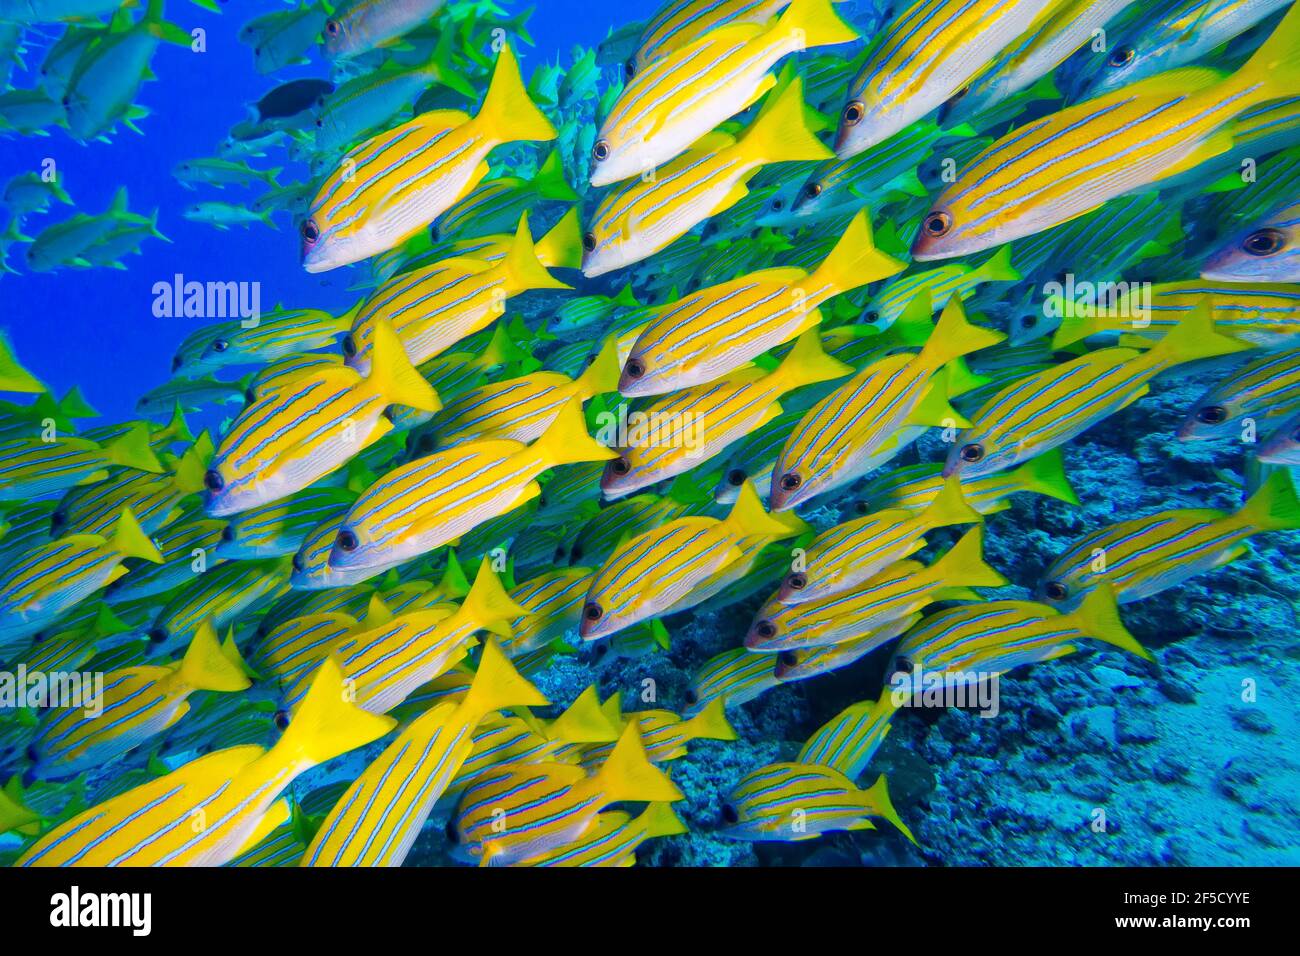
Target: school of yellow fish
291,587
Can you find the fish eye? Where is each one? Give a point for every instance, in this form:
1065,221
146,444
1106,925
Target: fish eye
1264,242
320,124
937,224
559,552
228,533
435,234
602,650
778,204
592,612
600,152
157,634
332,27
298,564
620,466
281,720
730,813
220,345
589,241
873,317
765,629
213,481
853,113
790,481
813,190
860,507
1212,415
903,666
453,835
635,368
1029,321
346,540
787,658
310,231
797,581
736,477
176,363
972,453
250,396
350,345
692,697
1122,55
1056,591
629,69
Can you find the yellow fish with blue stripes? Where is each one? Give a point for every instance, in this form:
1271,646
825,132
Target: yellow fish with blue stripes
136,705
648,574
213,808
928,53
393,185
433,308
377,820
40,586
646,215
697,424
675,101
709,333
1051,170
386,660
533,810
314,424
431,501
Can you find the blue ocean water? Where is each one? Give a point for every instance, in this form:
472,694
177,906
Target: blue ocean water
95,328
1097,759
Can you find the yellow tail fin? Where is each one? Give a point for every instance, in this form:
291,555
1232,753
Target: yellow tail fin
815,23
1274,507
567,442
949,506
521,266
507,114
854,261
780,133
748,519
709,724
561,248
1275,66
13,377
132,451
998,268
964,563
628,774
1045,475
877,801
1191,339
497,685
953,336
393,376
207,666
807,363
584,722
130,540
659,820
602,374
16,815
326,723
1075,327
1098,617
488,605
453,583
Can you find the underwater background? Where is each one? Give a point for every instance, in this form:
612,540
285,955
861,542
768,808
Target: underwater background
1099,758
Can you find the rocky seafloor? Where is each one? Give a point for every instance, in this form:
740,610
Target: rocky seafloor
1095,759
